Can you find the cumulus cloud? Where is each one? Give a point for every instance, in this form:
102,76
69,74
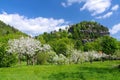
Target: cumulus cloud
115,8
115,29
107,15
96,6
93,6
32,26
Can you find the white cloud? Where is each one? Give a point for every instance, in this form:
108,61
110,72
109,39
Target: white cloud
115,8
63,4
115,29
93,6
96,6
70,2
105,16
32,26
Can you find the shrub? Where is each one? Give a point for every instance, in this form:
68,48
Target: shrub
6,59
60,59
51,55
77,57
116,55
42,58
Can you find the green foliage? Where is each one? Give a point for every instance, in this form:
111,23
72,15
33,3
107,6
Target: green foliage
77,36
89,46
61,48
51,55
7,32
117,53
42,58
41,39
6,59
95,45
109,45
78,45
119,45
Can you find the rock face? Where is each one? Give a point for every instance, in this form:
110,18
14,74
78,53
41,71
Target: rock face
88,31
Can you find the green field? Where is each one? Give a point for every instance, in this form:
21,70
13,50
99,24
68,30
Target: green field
97,71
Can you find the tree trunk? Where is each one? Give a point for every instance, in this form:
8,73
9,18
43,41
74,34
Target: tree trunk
28,62
33,60
19,58
91,61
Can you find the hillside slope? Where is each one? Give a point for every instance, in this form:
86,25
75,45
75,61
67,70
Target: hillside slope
74,36
7,32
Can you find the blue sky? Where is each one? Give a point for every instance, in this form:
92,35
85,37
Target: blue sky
37,16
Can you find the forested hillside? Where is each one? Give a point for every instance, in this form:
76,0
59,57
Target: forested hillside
8,32
75,36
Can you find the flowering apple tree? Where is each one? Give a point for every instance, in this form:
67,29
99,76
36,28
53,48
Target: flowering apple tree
26,46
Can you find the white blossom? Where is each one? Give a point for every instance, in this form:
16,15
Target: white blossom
26,45
60,59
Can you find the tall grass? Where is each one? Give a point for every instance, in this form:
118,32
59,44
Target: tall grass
97,71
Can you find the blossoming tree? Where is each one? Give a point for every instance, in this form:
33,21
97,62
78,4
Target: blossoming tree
26,46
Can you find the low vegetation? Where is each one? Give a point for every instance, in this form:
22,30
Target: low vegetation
107,70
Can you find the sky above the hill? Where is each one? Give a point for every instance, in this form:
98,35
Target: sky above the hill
37,16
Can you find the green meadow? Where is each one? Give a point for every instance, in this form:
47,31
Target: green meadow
107,70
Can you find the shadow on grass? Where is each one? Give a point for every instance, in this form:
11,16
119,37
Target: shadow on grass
67,76
85,73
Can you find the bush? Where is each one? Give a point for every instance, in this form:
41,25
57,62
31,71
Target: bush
62,48
60,59
42,58
77,57
6,59
117,53
51,55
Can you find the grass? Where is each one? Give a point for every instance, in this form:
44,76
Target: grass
97,71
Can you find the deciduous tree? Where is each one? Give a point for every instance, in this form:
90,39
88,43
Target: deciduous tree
26,46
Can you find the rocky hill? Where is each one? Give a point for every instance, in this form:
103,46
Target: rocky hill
88,31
